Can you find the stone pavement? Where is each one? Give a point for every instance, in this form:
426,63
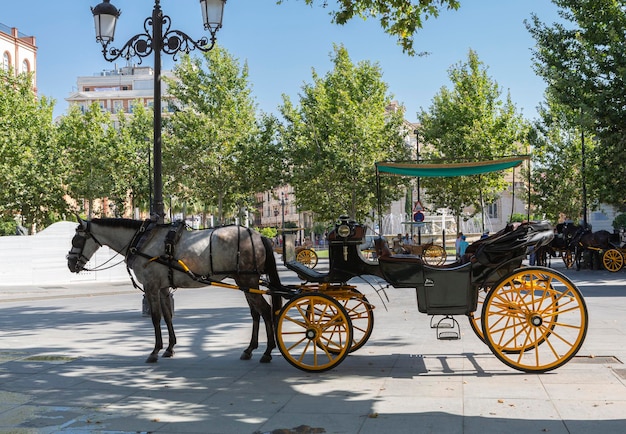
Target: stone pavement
72,361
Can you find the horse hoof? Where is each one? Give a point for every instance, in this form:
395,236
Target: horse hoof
168,354
245,356
265,359
152,358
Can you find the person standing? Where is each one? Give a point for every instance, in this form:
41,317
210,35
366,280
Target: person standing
456,244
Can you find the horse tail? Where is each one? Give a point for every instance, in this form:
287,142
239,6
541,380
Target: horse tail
274,280
270,264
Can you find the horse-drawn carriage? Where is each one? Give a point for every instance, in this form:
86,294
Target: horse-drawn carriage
596,248
614,256
533,319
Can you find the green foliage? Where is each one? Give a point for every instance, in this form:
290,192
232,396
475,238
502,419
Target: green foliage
336,134
519,217
30,159
269,232
620,222
218,150
399,18
467,123
90,145
556,177
581,58
7,227
134,146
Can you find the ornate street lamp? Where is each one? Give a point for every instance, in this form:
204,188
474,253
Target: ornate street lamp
157,37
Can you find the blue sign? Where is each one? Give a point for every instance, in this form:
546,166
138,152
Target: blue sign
418,216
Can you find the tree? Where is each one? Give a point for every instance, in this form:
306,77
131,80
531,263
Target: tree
218,149
467,123
90,148
30,162
556,175
399,18
582,61
336,134
133,163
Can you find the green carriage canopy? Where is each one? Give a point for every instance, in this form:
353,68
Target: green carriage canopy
425,170
449,169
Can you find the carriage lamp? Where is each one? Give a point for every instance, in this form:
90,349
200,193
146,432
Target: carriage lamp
343,231
158,37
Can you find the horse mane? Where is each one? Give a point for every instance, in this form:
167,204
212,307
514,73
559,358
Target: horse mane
118,222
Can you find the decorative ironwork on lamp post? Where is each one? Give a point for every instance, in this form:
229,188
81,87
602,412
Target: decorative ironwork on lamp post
157,37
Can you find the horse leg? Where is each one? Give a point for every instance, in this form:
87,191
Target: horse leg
256,318
168,313
155,310
268,319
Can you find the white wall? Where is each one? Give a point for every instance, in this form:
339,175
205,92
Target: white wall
41,259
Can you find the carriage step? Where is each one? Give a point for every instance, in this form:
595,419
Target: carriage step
447,328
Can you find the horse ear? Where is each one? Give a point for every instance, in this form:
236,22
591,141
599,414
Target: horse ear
80,221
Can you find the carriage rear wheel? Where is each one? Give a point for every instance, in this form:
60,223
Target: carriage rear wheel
475,319
314,332
307,257
434,255
531,306
613,260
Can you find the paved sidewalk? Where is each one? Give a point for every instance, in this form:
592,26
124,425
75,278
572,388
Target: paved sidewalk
72,361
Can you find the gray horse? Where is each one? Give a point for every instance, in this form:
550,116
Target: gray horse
169,256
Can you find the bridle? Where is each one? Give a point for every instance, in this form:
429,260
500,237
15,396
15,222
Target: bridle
75,256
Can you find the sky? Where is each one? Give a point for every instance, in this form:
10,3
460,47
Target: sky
283,44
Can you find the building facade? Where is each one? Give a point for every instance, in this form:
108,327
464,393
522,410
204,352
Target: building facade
19,52
120,89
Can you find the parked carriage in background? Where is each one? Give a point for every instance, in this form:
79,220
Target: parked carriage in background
614,257
305,253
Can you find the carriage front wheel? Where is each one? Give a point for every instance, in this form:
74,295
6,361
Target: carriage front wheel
613,260
540,312
314,332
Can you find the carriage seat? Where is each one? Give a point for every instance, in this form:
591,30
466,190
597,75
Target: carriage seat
384,253
306,273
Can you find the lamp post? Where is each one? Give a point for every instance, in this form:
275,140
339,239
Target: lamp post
157,37
282,205
417,160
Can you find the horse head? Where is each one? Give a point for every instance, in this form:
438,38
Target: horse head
84,245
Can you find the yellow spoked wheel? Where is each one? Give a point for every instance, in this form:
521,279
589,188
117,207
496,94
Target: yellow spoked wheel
361,314
513,346
314,332
434,255
307,257
613,260
534,320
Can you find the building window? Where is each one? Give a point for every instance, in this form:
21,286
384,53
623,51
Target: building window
118,106
6,61
492,210
25,67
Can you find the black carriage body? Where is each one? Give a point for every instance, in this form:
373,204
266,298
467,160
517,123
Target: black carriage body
450,289
453,289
